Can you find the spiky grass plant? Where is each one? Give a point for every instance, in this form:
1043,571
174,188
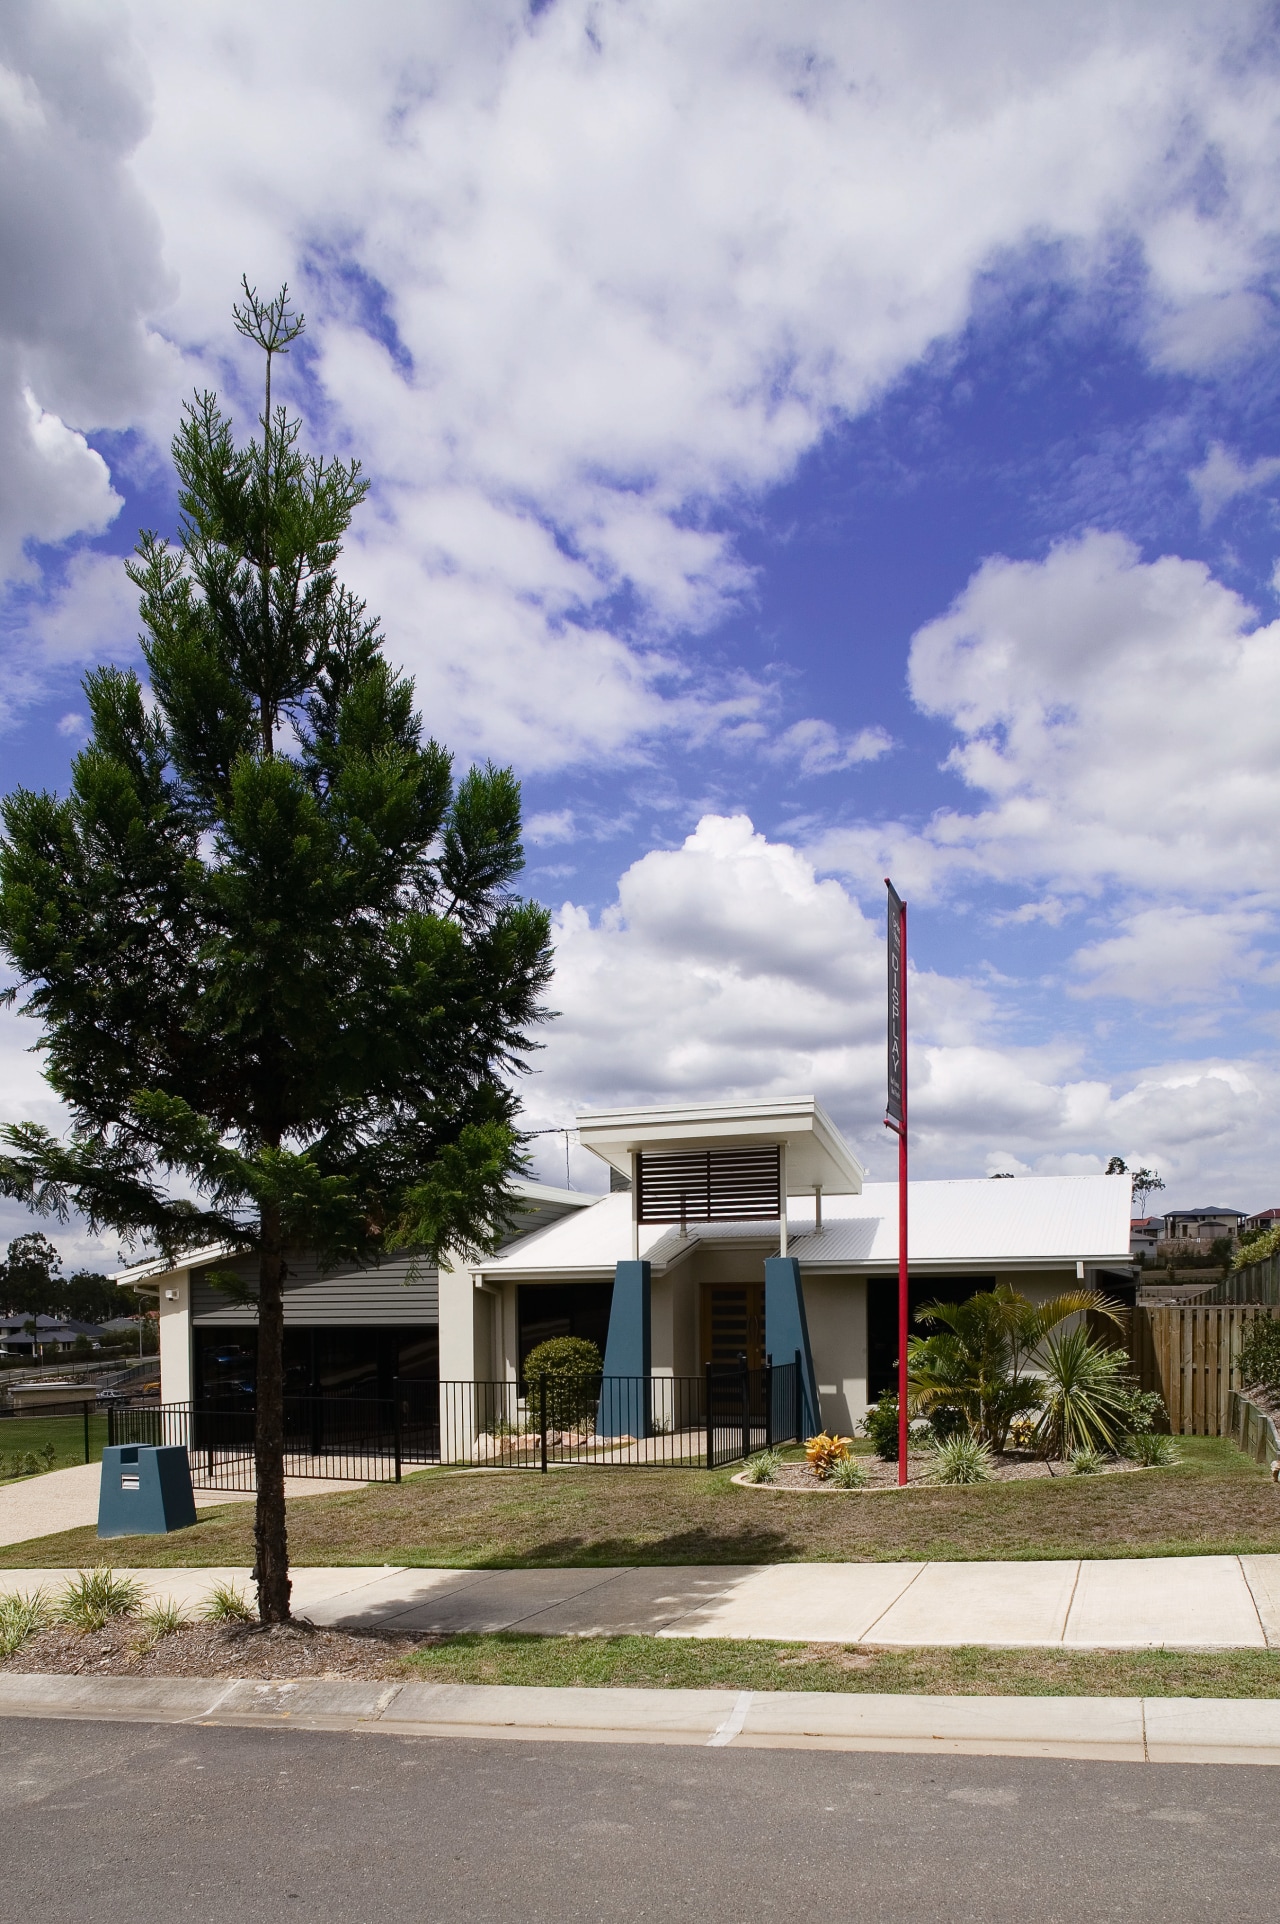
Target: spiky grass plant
849,1474
1086,1461
163,1617
1154,1450
21,1615
963,1458
763,1466
94,1598
226,1604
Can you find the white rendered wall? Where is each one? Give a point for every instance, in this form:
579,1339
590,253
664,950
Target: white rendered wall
836,1311
175,1337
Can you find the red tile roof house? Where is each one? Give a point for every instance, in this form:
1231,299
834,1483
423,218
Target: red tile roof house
667,1271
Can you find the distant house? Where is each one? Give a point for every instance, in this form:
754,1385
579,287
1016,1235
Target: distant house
24,1335
1255,1225
1144,1233
1201,1226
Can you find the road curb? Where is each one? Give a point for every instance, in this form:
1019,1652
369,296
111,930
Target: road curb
1098,1729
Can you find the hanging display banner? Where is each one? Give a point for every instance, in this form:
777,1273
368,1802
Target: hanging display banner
897,959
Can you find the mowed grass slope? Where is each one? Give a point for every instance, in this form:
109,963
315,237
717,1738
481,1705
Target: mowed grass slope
1217,1502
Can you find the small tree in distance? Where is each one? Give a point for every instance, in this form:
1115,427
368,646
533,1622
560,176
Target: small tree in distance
283,981
1144,1182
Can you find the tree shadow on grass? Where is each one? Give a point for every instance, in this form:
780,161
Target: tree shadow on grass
678,1547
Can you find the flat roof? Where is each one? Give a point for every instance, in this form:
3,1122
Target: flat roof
969,1224
817,1154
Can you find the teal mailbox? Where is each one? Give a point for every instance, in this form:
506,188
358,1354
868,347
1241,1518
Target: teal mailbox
145,1490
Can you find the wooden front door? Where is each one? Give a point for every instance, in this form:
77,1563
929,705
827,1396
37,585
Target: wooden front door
733,1325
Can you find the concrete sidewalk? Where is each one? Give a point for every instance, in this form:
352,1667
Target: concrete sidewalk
40,1506
1176,1603
1113,1729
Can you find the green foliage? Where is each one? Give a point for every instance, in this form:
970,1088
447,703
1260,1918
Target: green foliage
763,1466
571,1368
162,1618
1258,1248
1154,1449
226,1604
1141,1411
21,1615
880,1427
28,1463
849,1474
1260,1355
1086,1461
1085,1393
979,1363
94,1597
962,1458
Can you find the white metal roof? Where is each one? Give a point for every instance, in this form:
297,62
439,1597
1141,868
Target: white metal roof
1027,1222
816,1151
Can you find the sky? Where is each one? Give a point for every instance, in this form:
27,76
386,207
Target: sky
808,444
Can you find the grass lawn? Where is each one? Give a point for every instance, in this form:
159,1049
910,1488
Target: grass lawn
1216,1502
22,1434
689,1663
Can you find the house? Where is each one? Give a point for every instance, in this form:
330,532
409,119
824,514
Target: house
730,1231
24,1335
1256,1225
1145,1232
1201,1226
347,1331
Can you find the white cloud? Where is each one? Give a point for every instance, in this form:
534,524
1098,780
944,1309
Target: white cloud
637,258
82,268
728,968
820,749
90,615
1174,954
1121,719
1221,477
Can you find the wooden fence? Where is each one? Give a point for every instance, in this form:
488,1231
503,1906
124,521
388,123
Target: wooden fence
1190,1353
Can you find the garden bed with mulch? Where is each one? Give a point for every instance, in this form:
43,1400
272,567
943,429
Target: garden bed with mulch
1013,1467
124,1649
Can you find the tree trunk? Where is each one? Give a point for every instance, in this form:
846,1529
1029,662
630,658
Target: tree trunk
270,1534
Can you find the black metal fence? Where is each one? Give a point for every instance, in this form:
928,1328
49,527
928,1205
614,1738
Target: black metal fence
52,1436
613,1422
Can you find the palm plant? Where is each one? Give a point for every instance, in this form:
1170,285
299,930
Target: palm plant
1085,1392
980,1362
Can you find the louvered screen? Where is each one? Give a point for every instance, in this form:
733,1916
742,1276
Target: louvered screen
709,1186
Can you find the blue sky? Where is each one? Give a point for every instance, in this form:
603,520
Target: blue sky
799,453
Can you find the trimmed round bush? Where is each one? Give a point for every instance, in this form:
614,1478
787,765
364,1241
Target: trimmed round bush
571,1366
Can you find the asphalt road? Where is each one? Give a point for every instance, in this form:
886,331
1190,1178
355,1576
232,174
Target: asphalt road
125,1824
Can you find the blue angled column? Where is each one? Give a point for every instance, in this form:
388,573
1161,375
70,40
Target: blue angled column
786,1332
626,1393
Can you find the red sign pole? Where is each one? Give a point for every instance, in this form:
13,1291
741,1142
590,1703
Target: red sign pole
897,1120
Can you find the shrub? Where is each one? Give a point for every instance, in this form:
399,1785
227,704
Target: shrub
1142,1410
849,1474
27,1463
763,1466
1022,1431
880,1427
1153,1449
163,1619
94,1597
963,1458
1260,1355
1086,1461
824,1452
226,1604
20,1616
571,1367
1085,1390
1258,1248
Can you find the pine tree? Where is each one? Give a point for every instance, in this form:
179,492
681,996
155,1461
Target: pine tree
283,980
